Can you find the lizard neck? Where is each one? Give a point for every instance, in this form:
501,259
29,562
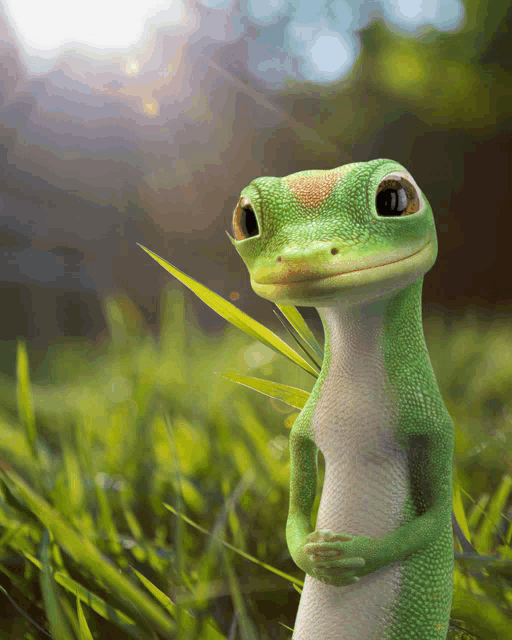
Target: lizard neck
386,334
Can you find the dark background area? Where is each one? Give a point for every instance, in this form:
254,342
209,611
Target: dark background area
95,158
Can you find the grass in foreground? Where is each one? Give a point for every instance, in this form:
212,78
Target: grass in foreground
98,461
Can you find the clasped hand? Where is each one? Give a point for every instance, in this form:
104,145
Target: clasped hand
336,558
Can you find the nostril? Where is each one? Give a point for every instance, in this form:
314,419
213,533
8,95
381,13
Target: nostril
334,251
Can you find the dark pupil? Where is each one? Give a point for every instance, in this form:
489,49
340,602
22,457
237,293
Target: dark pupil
391,202
248,222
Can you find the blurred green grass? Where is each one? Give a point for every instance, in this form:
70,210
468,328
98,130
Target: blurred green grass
92,454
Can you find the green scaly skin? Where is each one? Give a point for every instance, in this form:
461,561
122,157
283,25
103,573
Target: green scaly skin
379,562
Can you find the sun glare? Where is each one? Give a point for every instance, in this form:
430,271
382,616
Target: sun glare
46,26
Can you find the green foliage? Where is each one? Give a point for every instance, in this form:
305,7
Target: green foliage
448,80
137,443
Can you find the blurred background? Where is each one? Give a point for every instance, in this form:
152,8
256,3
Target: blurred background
125,122
128,122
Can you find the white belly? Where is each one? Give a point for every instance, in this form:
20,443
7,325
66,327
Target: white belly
365,489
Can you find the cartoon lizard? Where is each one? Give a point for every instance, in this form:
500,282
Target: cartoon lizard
355,242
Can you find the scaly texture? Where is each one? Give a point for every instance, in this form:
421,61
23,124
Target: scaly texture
355,242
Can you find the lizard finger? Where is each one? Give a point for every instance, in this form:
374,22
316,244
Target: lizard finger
342,563
321,547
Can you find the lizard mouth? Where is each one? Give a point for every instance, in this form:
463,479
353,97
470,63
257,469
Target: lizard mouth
297,277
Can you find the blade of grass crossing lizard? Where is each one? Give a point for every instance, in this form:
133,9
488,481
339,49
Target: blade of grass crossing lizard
232,314
291,395
294,317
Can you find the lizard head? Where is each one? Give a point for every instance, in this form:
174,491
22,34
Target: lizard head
350,234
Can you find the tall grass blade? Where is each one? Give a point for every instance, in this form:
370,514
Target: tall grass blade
291,395
24,398
232,314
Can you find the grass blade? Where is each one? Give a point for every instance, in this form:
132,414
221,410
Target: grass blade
23,613
484,537
71,616
102,608
84,552
282,574
56,619
188,621
458,510
247,629
303,346
291,395
24,398
232,314
294,317
85,632
107,519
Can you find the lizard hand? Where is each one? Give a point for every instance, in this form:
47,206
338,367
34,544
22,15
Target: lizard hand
335,557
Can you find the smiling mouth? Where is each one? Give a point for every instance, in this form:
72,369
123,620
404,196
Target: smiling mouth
314,278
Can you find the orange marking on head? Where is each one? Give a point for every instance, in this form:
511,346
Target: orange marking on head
312,190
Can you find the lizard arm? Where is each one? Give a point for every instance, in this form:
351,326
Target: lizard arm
303,480
417,534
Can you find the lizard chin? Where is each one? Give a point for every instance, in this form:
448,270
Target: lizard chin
350,287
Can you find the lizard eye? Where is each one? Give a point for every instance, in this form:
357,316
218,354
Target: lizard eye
245,223
397,196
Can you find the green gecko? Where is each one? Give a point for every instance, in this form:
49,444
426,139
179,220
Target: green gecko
355,242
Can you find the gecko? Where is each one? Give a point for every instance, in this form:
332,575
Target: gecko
355,242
